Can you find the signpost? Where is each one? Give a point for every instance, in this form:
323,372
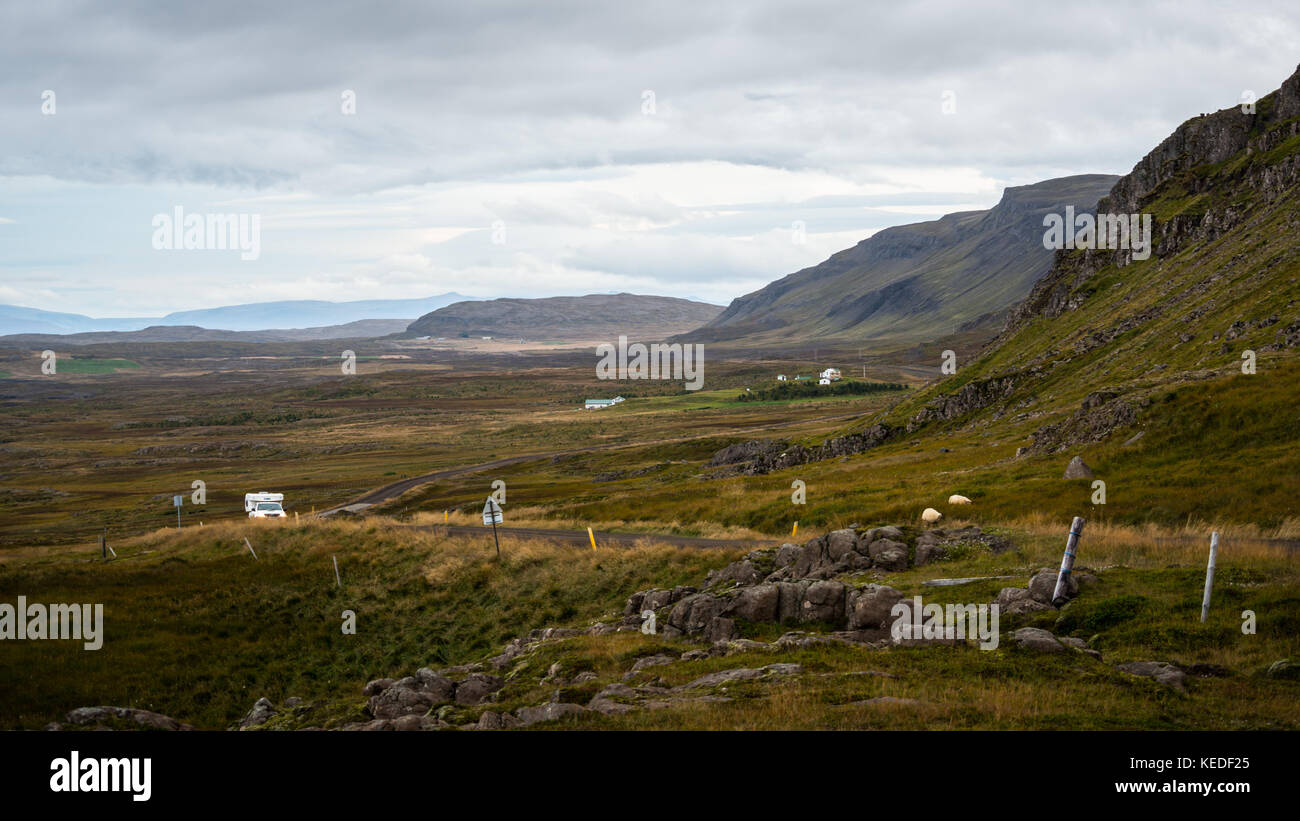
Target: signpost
177,501
492,516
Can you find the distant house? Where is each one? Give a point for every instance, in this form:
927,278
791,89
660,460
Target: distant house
803,379
597,404
823,381
486,338
780,377
831,375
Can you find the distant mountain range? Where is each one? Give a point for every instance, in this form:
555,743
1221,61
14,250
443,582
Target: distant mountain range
259,316
914,282
568,318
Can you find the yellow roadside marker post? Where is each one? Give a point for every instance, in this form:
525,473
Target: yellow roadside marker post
795,530
591,536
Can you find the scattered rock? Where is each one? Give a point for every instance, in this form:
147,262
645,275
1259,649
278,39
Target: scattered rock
1077,470
146,719
551,711
261,713
1038,640
1163,672
742,674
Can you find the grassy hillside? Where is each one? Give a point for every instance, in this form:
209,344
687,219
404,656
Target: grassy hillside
197,629
912,282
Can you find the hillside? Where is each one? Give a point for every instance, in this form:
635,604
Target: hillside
1139,365
303,314
913,282
595,316
361,329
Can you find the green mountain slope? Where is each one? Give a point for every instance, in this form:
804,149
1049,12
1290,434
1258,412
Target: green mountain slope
595,316
913,282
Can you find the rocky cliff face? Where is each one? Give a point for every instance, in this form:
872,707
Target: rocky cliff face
1201,142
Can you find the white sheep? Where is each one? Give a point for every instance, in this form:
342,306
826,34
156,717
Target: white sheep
957,499
931,515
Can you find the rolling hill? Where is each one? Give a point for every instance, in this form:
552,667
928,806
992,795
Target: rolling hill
595,316
257,316
913,282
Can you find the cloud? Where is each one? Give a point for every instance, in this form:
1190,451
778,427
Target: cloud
763,113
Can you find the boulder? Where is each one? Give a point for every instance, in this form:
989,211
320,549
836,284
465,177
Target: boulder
477,688
1077,469
1038,640
145,718
1016,601
840,543
261,713
1163,672
1043,584
756,604
823,601
868,608
692,614
788,554
790,604
552,711
720,628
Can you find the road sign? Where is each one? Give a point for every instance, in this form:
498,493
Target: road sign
177,501
492,516
491,512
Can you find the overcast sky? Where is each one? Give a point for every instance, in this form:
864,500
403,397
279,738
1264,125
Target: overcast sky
546,148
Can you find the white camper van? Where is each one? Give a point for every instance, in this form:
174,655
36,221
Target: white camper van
264,505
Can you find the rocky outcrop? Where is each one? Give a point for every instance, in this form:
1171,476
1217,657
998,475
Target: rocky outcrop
99,717
418,694
801,587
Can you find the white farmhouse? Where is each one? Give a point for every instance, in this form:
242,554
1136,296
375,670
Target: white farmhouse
830,375
780,377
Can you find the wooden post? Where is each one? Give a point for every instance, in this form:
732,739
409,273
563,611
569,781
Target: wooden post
1209,576
337,580
250,547
495,539
103,547
1067,561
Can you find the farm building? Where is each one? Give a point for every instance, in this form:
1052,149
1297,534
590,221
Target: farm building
597,404
831,375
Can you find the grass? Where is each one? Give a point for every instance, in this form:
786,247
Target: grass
199,630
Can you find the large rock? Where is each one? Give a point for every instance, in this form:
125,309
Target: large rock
261,713
823,601
1017,601
756,604
888,554
692,614
868,608
840,543
412,695
477,688
788,554
720,628
1038,640
1043,584
742,674
790,604
547,712
1077,469
1163,672
145,718
742,573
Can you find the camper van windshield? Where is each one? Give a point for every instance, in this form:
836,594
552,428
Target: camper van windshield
269,506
